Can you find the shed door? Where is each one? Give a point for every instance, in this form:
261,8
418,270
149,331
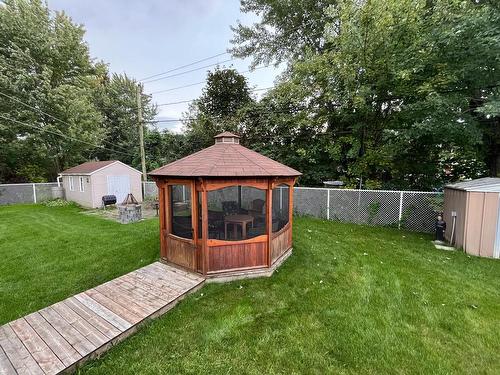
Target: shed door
119,186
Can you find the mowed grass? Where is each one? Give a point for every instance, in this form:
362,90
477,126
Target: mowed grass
50,253
351,299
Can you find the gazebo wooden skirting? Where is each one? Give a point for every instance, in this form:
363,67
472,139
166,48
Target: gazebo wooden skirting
226,210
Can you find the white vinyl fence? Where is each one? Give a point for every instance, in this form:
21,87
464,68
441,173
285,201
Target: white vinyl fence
412,210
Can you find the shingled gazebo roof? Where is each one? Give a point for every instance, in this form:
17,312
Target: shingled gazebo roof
226,158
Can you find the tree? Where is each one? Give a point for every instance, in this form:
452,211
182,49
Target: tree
286,29
44,63
59,107
392,86
116,100
225,94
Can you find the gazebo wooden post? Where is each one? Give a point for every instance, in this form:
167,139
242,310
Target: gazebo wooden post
204,227
163,225
269,220
290,206
194,210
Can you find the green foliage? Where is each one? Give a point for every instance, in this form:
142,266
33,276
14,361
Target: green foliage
45,63
373,210
437,203
116,99
218,108
58,203
401,93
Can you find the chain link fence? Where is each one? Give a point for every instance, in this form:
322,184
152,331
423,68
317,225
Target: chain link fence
412,210
26,193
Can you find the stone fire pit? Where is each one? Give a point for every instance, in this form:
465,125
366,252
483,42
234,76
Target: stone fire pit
129,211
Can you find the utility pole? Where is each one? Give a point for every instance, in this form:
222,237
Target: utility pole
141,132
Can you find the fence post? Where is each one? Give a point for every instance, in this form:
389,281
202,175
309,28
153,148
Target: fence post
328,204
400,208
34,193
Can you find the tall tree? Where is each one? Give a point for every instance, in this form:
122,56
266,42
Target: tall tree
392,85
45,64
116,100
224,95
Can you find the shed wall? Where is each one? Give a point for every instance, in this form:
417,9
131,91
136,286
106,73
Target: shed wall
82,198
474,222
100,182
455,200
483,231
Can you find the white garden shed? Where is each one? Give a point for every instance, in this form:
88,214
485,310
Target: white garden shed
87,183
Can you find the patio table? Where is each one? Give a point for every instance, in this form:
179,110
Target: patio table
242,220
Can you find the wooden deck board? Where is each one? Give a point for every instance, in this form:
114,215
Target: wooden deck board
60,337
148,280
38,349
89,316
103,312
85,328
5,365
19,357
122,311
64,351
166,278
163,293
141,296
72,336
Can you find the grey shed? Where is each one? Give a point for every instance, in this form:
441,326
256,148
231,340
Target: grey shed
472,211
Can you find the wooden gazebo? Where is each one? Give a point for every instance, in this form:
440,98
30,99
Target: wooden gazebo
226,210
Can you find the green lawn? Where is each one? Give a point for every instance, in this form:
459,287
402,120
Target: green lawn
351,299
50,253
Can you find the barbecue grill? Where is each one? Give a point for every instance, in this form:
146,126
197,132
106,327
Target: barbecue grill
108,200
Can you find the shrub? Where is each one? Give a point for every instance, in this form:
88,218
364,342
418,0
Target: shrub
57,203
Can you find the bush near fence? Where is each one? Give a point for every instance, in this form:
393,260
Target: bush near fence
412,210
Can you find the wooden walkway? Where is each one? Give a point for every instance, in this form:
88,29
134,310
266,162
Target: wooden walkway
58,338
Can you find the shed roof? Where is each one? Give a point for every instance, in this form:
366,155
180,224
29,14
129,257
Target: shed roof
90,167
487,184
225,160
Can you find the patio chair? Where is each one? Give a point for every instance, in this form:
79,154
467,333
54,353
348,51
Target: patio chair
256,209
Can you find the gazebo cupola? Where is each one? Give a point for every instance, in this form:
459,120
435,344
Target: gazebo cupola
226,210
227,137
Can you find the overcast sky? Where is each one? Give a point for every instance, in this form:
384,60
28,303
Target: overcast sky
143,38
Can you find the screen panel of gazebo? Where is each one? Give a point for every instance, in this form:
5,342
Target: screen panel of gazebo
181,211
236,213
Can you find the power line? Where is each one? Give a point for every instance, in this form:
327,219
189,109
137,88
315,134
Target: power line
202,82
63,135
49,115
177,88
335,105
184,66
218,117
192,100
188,71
